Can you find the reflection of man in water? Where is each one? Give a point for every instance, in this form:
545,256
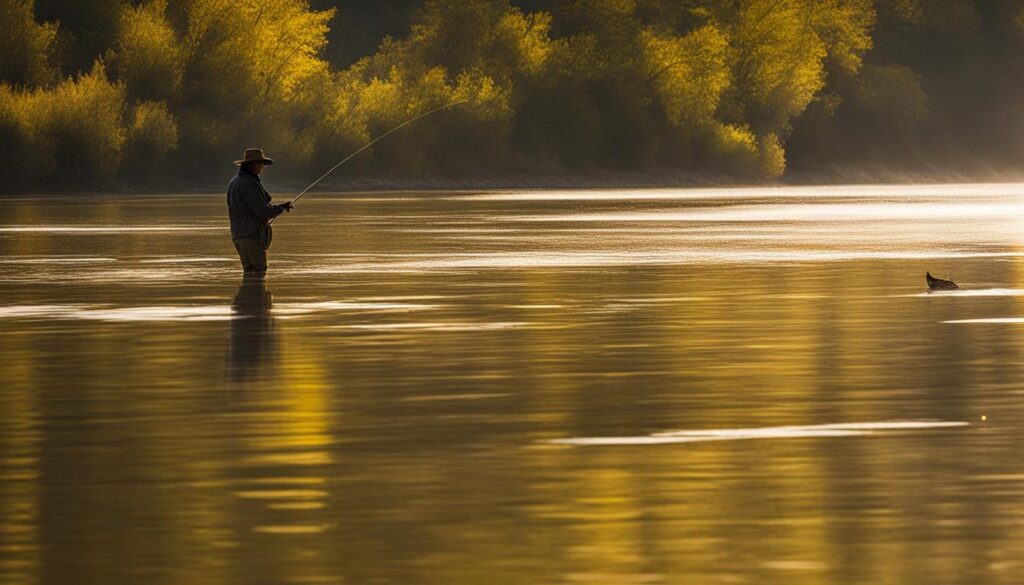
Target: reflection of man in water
252,347
250,211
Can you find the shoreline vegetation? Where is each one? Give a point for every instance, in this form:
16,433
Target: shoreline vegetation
133,95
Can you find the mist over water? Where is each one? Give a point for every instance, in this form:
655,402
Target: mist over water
645,386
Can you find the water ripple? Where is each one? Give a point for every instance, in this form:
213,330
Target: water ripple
104,229
98,313
780,432
989,320
965,190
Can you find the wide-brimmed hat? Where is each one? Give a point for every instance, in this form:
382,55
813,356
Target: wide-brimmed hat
254,155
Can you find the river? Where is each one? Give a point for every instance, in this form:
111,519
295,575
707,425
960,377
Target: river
711,386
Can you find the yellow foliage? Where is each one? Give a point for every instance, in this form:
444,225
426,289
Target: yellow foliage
148,56
779,59
487,99
845,27
489,37
529,36
428,91
252,75
83,118
249,56
771,156
346,121
689,73
76,125
211,75
732,149
382,101
289,45
732,140
27,154
28,46
152,132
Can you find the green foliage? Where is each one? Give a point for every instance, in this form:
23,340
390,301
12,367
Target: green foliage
814,131
893,97
29,47
883,114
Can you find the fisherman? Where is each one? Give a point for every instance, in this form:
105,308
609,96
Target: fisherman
250,211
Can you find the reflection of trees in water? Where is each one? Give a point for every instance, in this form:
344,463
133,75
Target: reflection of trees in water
252,346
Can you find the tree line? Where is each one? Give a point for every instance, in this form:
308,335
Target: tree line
93,91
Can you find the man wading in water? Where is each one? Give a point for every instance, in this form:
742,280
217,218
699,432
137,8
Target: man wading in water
250,211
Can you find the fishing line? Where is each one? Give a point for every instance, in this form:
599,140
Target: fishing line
371,143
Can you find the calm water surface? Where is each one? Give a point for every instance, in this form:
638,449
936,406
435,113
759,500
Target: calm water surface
600,387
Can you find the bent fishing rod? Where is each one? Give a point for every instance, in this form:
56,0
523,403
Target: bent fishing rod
371,143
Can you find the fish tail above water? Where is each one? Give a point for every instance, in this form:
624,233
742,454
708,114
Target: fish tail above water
935,284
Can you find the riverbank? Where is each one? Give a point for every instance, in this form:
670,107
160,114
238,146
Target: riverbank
551,181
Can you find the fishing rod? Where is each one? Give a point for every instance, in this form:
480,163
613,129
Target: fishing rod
371,143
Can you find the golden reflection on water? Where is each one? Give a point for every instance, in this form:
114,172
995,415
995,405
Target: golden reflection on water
396,401
284,447
19,470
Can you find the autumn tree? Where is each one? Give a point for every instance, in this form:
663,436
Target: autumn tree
219,75
148,54
29,49
70,134
483,51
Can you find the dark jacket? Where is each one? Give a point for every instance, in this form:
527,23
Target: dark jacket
249,207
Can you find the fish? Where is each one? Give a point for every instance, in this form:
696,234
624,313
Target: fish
938,283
